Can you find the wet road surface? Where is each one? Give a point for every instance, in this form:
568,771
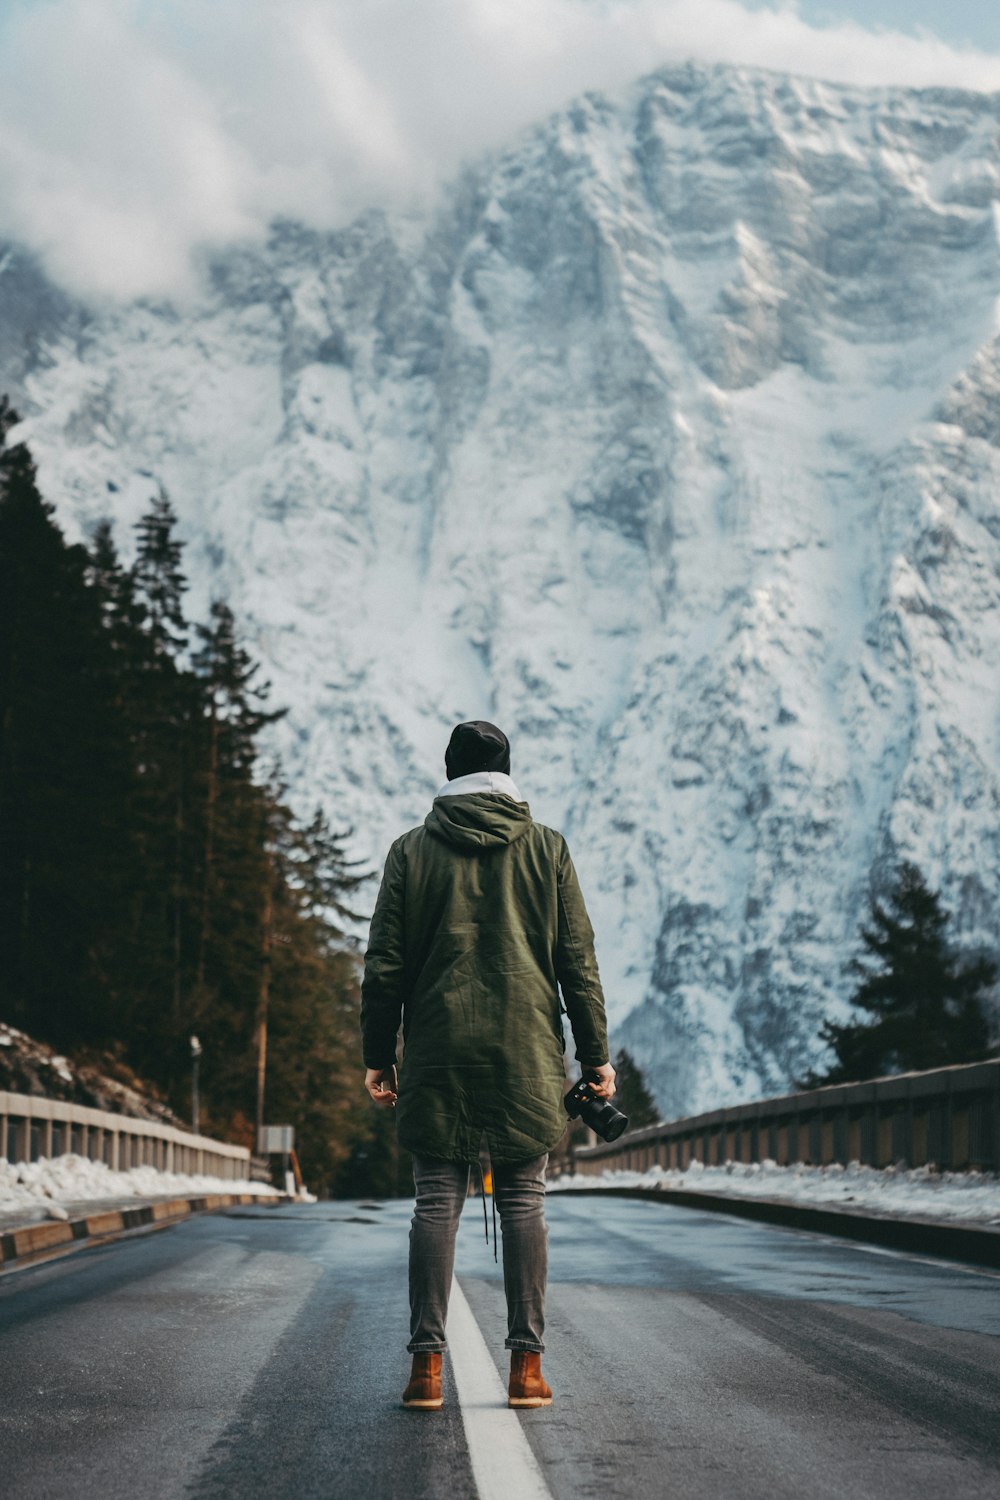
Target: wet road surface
259,1353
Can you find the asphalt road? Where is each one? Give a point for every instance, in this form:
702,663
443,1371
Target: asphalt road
260,1354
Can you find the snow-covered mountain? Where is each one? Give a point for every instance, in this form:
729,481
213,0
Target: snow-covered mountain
668,439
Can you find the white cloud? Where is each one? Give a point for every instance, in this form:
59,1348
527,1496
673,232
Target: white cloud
133,131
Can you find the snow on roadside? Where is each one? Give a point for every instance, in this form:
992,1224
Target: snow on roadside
918,1192
47,1183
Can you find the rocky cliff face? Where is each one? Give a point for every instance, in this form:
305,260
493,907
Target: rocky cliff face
669,441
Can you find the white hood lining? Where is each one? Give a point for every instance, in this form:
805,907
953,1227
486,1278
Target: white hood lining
481,781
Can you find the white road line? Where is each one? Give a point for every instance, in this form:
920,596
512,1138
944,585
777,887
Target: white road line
502,1461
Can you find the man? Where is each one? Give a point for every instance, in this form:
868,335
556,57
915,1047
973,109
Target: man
479,919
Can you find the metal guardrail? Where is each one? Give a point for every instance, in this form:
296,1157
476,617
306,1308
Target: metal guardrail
32,1127
949,1117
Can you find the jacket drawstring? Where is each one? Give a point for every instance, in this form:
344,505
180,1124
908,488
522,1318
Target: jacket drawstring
486,1225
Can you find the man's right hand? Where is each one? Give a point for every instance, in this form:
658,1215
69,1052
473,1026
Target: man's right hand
601,1080
381,1085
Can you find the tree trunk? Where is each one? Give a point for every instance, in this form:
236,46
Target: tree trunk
263,996
213,777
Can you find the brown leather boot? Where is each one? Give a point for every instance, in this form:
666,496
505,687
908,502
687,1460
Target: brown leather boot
424,1389
527,1386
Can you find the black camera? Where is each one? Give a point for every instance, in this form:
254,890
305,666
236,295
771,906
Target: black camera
599,1114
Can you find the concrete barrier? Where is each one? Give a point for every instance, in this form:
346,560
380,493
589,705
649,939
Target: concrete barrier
948,1116
34,1238
32,1127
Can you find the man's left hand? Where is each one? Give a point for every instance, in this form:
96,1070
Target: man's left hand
382,1086
602,1081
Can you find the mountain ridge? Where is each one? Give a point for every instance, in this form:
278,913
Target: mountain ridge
666,439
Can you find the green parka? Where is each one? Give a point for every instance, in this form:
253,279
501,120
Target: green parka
479,918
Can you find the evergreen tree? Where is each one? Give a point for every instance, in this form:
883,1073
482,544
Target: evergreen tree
64,768
922,1005
237,704
117,954
158,577
232,868
327,876
121,612
162,703
233,812
632,1096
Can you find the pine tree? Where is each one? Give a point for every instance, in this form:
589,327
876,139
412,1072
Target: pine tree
632,1096
235,715
64,769
159,578
117,956
121,612
922,1004
328,876
163,702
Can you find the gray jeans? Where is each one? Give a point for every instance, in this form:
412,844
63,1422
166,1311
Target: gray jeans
442,1187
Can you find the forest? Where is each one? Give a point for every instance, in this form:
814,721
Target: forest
156,883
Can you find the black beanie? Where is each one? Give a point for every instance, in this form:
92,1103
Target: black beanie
477,746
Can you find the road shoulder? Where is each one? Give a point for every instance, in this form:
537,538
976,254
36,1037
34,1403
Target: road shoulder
974,1244
31,1243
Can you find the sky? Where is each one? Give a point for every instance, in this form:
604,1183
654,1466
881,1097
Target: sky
136,133
962,22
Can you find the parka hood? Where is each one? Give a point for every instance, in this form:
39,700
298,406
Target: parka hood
477,820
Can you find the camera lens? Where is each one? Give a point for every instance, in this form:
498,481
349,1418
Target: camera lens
609,1123
602,1118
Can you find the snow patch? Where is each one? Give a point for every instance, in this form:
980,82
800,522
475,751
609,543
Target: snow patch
914,1191
76,1179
